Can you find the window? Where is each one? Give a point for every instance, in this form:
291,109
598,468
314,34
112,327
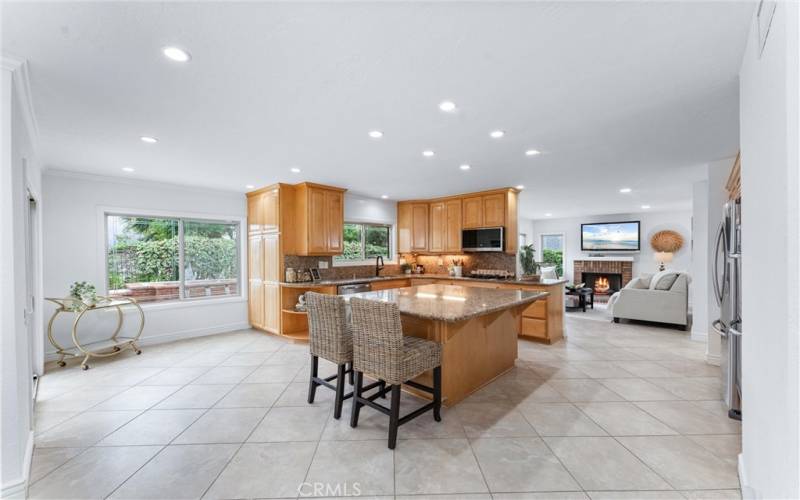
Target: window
158,258
365,241
553,251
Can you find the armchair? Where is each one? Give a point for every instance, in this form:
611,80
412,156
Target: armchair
664,298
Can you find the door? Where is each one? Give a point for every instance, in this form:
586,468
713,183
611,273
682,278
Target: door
270,203
419,224
334,225
472,212
255,303
255,273
272,307
35,342
453,229
494,210
438,227
317,234
272,258
255,219
403,228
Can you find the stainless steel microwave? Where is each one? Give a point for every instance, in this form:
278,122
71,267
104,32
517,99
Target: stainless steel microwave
485,239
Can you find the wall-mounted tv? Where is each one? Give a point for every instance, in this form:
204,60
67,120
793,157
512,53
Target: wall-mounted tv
610,237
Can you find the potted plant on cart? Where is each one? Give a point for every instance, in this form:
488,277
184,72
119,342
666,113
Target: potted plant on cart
530,268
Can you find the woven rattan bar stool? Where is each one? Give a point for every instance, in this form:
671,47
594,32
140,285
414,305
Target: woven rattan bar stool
381,350
330,338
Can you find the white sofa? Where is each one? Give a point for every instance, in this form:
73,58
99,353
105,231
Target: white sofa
663,298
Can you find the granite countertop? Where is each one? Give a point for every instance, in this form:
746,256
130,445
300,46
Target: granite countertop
451,303
351,281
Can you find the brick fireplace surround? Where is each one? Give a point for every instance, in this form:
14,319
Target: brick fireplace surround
621,267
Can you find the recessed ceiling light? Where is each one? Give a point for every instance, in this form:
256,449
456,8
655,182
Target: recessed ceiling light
532,152
625,190
447,106
520,186
385,196
548,214
465,167
176,54
496,134
428,153
148,139
128,169
375,134
645,207
249,186
295,170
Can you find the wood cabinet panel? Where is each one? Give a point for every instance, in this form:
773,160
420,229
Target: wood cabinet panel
452,238
536,310
403,228
270,207
255,257
272,307
255,218
534,327
334,224
255,303
386,285
317,236
272,257
472,212
419,227
438,227
494,210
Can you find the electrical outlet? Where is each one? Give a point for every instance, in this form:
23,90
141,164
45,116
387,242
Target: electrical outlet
440,262
323,264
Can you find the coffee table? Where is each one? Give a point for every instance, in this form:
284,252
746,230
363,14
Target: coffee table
584,295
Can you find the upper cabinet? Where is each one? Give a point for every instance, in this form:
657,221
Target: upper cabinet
264,208
435,226
319,212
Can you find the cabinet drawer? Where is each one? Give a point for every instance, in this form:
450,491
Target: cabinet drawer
536,310
386,285
534,327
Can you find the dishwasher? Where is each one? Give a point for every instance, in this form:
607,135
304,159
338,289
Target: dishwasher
354,288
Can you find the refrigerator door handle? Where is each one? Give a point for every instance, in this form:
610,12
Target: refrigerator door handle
715,270
717,326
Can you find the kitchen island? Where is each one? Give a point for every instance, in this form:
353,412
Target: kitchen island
477,328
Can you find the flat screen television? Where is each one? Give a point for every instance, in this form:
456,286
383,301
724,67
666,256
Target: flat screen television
610,237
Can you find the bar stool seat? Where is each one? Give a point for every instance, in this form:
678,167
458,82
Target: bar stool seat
381,350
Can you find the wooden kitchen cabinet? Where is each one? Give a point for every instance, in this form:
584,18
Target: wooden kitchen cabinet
412,227
263,211
452,238
438,227
319,223
494,210
272,307
472,209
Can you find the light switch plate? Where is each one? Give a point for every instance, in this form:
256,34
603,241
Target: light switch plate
323,264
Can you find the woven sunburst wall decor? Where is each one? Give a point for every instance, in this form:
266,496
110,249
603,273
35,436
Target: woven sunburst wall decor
666,241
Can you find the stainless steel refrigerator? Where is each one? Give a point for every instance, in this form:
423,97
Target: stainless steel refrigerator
727,279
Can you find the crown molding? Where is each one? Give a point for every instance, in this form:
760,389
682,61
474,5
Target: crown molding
22,86
148,183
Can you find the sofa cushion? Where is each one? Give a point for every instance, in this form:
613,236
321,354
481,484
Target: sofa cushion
643,281
663,280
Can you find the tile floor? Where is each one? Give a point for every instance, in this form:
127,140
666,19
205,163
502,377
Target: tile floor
615,411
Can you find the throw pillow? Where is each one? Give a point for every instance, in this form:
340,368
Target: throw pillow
643,281
663,281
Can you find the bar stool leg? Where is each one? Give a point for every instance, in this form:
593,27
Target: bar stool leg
383,389
350,373
356,397
394,416
437,393
340,382
312,385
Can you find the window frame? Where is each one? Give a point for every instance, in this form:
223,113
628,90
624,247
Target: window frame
391,259
540,251
102,249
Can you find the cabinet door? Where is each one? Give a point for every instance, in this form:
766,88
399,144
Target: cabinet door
452,242
334,225
255,216
272,258
438,227
472,212
317,234
419,224
255,257
403,228
255,303
272,307
494,210
270,210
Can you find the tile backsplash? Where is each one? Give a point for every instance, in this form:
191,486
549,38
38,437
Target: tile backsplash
471,261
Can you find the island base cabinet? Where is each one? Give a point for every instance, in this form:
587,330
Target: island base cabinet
474,352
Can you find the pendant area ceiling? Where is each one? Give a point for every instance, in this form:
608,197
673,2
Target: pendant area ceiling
613,94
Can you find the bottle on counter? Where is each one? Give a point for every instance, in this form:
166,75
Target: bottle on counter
291,275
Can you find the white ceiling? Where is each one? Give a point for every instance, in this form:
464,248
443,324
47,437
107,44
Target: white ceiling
634,94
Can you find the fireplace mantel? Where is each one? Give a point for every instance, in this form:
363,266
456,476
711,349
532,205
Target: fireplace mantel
610,258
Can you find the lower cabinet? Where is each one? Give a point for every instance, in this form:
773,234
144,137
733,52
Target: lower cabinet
386,285
272,307
255,303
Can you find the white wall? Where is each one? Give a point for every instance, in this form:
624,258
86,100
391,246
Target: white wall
651,222
19,173
363,209
769,83
73,232
699,270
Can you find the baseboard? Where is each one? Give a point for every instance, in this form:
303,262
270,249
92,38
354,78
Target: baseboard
181,335
699,336
18,488
713,359
748,493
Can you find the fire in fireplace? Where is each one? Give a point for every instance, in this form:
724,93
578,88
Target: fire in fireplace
601,285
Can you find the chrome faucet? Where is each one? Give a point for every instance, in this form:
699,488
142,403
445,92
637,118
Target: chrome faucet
378,265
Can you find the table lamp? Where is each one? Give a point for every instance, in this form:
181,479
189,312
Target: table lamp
663,258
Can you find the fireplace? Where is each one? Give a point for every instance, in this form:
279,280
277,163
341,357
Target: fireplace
604,284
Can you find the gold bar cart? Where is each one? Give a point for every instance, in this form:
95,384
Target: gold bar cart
102,348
